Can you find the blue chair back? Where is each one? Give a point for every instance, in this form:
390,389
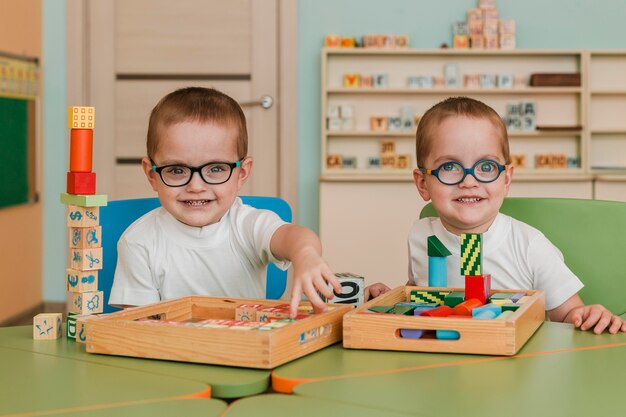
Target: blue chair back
119,214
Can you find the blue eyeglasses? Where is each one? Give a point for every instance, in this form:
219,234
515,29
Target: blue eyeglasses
452,173
212,173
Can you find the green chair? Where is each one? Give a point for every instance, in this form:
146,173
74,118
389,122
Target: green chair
590,233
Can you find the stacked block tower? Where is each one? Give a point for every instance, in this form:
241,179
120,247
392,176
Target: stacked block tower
83,222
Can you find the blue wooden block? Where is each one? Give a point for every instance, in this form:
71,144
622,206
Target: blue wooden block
489,311
437,272
448,334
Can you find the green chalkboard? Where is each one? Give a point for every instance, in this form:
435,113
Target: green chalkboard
17,165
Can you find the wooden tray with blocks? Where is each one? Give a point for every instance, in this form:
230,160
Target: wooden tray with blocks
203,330
364,329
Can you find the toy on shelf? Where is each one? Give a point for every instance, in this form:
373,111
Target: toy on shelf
484,29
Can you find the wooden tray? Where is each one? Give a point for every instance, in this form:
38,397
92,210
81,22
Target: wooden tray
364,330
122,334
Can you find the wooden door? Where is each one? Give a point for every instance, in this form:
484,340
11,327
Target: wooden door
127,54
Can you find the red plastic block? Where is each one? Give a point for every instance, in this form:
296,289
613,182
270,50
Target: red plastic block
83,183
478,286
81,150
441,311
465,308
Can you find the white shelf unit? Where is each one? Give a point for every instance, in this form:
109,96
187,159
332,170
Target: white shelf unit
556,106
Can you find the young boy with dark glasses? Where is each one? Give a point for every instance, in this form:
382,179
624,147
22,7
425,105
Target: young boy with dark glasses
464,167
204,240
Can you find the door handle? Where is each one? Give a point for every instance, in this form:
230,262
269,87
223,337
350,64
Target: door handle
266,102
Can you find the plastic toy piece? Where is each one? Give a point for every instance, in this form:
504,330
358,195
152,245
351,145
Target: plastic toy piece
436,248
441,311
412,333
471,254
478,286
489,311
448,334
81,183
466,307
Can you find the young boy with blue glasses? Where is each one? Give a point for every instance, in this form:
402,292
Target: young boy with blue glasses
204,240
464,167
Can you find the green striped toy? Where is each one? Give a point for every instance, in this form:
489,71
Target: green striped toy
471,254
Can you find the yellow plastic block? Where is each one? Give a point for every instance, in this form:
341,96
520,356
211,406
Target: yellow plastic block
79,117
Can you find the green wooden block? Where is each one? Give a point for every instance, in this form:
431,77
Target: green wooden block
471,254
421,296
70,327
510,307
454,298
436,248
406,310
380,309
95,200
500,296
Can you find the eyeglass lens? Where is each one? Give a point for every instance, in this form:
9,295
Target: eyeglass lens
453,172
211,173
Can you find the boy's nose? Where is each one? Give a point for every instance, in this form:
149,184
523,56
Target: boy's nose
196,183
469,181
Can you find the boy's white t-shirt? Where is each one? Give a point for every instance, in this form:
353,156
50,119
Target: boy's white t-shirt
517,256
160,258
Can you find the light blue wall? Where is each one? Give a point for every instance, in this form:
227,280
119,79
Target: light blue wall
540,24
54,149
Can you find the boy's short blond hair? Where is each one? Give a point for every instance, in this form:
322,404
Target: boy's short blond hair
456,106
196,104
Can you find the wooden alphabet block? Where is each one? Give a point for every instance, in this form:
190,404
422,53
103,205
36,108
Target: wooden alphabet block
518,160
394,123
81,281
85,302
551,161
81,117
401,41
85,237
348,42
47,326
461,41
507,26
70,326
332,41
246,312
387,147
388,161
334,161
378,123
491,42
81,325
86,259
352,289
381,80
477,41
367,81
83,216
81,183
507,41
352,80
403,162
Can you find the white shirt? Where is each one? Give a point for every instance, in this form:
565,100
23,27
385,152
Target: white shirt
517,256
160,258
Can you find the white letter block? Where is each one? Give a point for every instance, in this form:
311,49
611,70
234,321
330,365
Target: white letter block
86,259
82,216
81,281
85,237
85,302
352,289
47,326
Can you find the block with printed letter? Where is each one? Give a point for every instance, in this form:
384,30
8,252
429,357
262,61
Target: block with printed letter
352,79
47,326
81,281
86,259
478,286
81,183
85,302
378,123
81,326
247,312
471,254
81,117
82,216
352,289
70,326
84,200
85,237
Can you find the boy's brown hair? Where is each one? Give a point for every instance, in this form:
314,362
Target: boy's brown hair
196,104
456,106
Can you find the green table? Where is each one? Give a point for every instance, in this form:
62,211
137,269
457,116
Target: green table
33,382
277,405
188,407
336,362
225,382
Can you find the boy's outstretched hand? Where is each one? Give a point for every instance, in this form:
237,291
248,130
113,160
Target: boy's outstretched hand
374,290
597,317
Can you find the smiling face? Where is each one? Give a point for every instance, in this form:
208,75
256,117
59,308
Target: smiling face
470,206
197,143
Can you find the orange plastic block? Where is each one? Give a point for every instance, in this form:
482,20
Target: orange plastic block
81,150
465,308
441,311
83,183
80,117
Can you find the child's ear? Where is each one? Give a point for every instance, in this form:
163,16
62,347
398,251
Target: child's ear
420,182
508,177
152,176
245,170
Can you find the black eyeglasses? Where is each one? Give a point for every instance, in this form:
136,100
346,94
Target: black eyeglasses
452,173
212,173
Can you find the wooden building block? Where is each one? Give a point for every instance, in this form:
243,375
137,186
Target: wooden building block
85,302
471,254
81,183
78,216
478,286
81,326
352,80
81,281
348,42
454,298
81,117
403,162
334,161
352,289
246,312
70,326
84,200
85,237
423,296
332,41
86,259
461,41
465,308
81,150
47,326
